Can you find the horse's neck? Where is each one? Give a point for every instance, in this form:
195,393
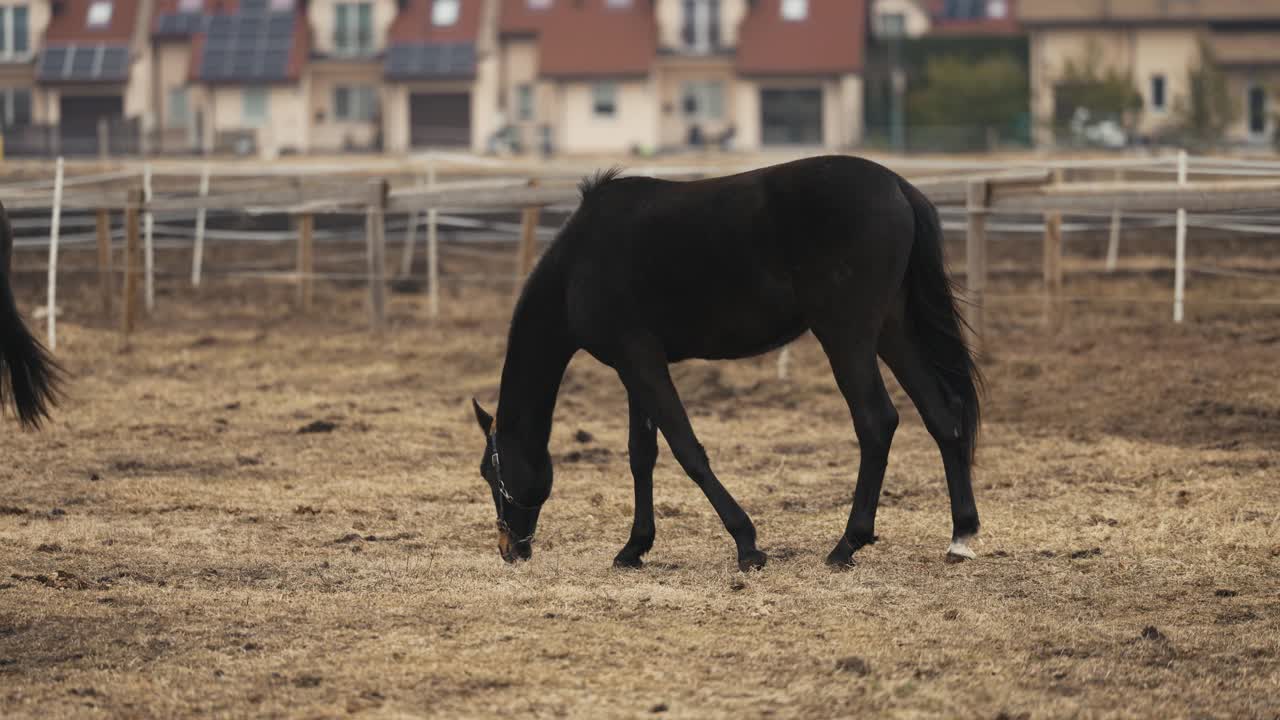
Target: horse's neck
538,351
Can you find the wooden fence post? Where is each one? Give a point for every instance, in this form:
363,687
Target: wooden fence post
148,246
130,302
202,215
1053,265
526,249
377,252
433,244
104,142
1113,243
55,226
306,261
976,260
106,269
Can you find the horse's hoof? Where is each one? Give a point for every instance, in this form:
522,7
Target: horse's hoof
623,562
959,551
841,558
753,560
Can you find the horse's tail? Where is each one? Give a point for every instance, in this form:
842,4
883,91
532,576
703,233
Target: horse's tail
29,377
933,314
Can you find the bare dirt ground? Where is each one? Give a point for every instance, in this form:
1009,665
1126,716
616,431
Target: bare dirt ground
253,513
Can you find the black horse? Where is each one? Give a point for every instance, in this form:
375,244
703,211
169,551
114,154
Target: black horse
29,377
649,272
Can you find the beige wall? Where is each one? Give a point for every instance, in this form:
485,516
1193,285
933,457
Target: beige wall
670,17
285,128
395,109
327,132
841,109
578,130
671,78
1140,52
324,18
916,20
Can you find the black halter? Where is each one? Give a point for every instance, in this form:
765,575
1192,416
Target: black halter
504,497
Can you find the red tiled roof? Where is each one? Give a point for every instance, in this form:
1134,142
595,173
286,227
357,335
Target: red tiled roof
71,26
941,25
587,38
413,23
518,18
830,40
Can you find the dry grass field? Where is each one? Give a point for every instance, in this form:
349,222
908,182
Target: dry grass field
248,512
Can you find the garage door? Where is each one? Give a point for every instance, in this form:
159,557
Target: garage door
791,116
79,120
440,119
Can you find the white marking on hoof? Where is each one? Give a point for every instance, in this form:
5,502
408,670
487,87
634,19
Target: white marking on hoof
960,549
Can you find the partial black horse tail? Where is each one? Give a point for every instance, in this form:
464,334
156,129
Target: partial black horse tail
29,376
937,325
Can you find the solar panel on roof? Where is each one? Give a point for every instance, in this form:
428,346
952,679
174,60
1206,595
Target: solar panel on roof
418,60
180,23
83,63
249,46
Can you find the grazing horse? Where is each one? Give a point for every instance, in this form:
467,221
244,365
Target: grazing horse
649,272
29,377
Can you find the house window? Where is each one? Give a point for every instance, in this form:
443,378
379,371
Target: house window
997,9
538,4
1257,110
358,103
891,24
604,99
704,100
444,12
1157,93
99,14
524,102
700,28
795,9
618,4
15,35
353,28
179,112
254,109
15,107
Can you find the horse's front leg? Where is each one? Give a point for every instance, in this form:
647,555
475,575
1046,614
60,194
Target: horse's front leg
643,447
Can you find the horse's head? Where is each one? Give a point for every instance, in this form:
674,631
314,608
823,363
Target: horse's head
508,474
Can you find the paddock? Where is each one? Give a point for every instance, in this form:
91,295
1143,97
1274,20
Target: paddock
251,507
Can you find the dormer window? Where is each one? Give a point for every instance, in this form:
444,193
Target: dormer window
444,12
795,10
538,4
99,14
190,6
618,4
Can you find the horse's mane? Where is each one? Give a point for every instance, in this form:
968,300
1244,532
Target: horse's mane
591,183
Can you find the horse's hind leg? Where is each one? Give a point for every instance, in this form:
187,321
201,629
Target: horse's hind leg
853,361
941,417
643,448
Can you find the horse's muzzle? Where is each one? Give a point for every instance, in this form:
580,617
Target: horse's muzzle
511,550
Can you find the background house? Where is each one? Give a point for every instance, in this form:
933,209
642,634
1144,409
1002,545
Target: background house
1154,46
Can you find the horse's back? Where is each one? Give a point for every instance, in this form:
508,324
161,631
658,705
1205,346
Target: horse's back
718,268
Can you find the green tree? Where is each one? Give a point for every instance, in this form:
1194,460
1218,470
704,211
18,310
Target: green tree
984,95
1202,116
1106,93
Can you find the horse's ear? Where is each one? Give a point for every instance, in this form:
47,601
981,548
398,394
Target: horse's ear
482,417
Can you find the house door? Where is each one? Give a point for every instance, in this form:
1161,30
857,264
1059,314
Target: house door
440,119
79,116
791,116
1257,110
